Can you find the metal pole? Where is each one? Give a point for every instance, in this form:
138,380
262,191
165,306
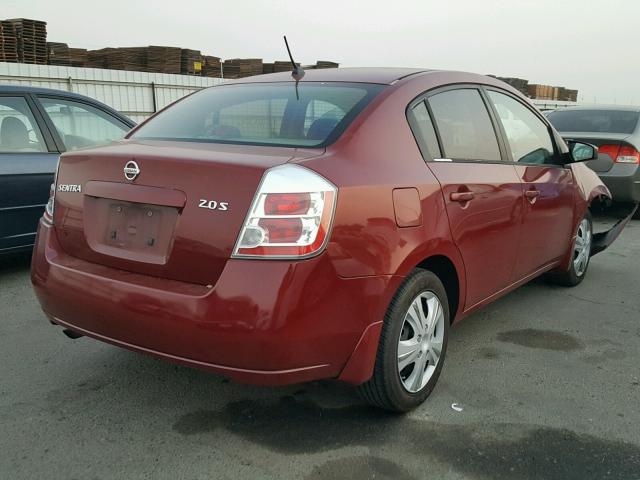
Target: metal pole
153,96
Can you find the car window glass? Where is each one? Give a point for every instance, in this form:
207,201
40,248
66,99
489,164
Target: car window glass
80,125
425,129
19,131
322,110
528,137
598,121
258,118
262,114
464,125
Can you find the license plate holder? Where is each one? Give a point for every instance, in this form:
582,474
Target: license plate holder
132,231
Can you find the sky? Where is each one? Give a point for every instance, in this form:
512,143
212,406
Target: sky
591,45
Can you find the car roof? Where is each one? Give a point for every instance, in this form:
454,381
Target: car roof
381,75
40,90
621,108
19,89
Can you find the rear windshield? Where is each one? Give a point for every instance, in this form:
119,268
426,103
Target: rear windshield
262,114
601,121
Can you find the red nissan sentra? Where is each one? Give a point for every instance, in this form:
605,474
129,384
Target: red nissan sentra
277,231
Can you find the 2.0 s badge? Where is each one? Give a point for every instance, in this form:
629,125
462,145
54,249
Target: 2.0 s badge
213,205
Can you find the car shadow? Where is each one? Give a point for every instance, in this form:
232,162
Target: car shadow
14,262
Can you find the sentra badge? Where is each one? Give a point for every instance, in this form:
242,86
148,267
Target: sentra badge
70,188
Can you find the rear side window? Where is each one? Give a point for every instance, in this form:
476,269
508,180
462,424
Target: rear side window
528,137
80,125
597,121
424,131
263,114
19,131
464,125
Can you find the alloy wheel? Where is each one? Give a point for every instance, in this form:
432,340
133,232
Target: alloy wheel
421,340
582,247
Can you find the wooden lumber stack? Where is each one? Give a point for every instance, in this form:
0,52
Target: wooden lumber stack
62,54
244,67
211,67
98,58
8,42
326,64
191,62
282,66
267,68
163,59
32,40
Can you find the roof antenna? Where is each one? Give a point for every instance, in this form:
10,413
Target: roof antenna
297,72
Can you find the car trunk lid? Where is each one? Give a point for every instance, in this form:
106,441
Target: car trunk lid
180,216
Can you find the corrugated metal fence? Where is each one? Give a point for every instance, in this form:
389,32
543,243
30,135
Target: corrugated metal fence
135,94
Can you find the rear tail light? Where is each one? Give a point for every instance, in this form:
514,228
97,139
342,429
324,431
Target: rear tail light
290,216
628,154
620,153
51,203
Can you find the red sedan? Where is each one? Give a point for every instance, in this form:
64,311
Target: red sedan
279,231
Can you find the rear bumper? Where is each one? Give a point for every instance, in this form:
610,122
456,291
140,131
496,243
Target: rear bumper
623,180
264,322
602,240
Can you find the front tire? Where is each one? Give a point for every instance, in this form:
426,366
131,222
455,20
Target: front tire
581,254
413,344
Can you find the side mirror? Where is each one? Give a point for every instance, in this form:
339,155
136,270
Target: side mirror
582,152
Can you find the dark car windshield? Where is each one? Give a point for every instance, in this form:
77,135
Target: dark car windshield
263,114
600,121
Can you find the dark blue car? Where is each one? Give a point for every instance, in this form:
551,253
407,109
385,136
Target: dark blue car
36,126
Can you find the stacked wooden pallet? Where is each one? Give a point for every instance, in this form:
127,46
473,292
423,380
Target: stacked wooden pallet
163,59
242,67
191,62
267,68
282,66
32,40
62,54
211,67
326,64
97,58
8,42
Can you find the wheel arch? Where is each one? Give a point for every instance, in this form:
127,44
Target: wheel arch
444,268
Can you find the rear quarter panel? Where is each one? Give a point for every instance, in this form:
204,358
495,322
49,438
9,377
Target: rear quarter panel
375,155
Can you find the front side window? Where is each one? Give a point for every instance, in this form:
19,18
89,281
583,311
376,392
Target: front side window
80,125
19,131
528,137
464,125
262,114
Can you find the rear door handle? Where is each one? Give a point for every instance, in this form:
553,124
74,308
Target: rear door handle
461,196
531,193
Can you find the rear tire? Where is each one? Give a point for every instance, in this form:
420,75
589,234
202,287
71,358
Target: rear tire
413,344
581,255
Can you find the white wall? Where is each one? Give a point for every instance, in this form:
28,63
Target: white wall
131,93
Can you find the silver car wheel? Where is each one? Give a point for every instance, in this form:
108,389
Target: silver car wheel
421,340
582,248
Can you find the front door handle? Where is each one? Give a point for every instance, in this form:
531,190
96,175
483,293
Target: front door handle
461,196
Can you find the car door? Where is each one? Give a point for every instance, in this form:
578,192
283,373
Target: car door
77,124
28,161
548,185
482,192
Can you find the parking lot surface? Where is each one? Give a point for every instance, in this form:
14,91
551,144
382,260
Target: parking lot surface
548,380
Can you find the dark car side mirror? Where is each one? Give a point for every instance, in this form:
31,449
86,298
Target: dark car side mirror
582,152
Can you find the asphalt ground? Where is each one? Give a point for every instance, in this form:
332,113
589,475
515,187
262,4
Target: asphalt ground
548,380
